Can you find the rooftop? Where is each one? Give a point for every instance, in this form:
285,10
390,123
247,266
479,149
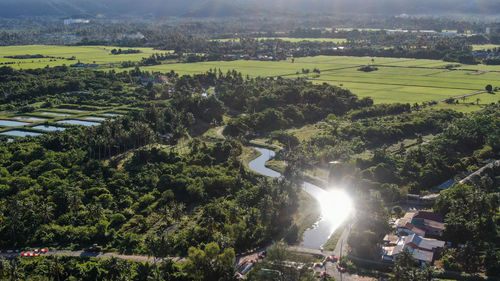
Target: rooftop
424,243
429,216
414,229
422,255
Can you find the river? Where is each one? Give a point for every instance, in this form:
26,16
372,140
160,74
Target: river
332,214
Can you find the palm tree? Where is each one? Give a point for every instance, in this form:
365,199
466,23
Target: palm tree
56,270
144,272
155,275
3,269
45,212
115,268
14,271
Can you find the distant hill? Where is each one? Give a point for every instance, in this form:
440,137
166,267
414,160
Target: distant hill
223,8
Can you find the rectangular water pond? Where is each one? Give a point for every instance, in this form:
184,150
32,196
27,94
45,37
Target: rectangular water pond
29,118
49,128
17,133
92,118
79,122
11,123
56,114
112,114
71,110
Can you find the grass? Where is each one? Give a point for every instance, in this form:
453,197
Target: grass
396,80
461,107
307,213
407,143
484,47
307,132
248,155
213,135
276,165
86,54
334,238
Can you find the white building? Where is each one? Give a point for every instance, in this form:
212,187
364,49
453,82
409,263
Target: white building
75,21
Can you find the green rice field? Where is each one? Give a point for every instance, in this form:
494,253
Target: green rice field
484,47
86,54
396,80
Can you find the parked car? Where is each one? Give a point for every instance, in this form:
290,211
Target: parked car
94,249
317,264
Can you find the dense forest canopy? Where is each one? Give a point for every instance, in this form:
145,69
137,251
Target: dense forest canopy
164,170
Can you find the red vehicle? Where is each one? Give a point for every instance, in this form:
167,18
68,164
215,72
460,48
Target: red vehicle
41,251
332,258
30,254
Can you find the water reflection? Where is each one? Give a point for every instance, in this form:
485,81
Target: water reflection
336,207
336,204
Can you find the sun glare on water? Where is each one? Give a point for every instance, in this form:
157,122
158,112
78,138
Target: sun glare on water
336,206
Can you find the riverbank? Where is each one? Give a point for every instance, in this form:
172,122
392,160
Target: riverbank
307,214
331,244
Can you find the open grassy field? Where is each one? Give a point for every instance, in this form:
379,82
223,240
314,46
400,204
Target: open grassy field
86,54
484,47
396,80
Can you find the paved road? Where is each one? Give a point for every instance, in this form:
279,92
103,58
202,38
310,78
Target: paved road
135,258
480,171
310,251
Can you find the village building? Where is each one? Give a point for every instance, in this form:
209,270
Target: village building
426,224
425,250
413,232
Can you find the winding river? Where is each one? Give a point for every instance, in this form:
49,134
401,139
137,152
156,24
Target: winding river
334,209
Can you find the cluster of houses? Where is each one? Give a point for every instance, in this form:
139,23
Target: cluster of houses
418,232
75,21
483,54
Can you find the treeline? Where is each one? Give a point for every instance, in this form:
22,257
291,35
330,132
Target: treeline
460,143
380,110
427,52
278,104
21,86
64,199
472,220
127,51
206,263
125,183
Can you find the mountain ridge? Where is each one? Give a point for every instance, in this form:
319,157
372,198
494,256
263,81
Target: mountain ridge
224,8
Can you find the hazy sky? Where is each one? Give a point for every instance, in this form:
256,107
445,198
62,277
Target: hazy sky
180,7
